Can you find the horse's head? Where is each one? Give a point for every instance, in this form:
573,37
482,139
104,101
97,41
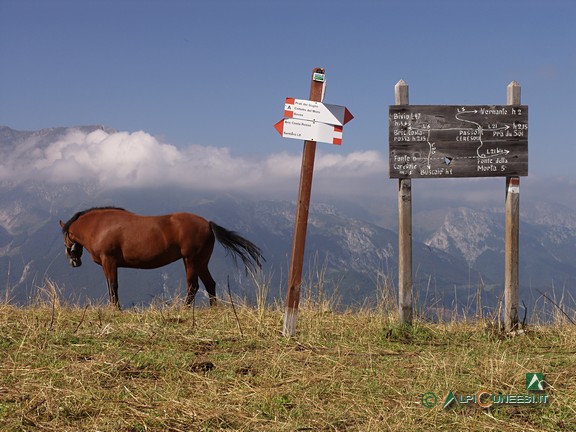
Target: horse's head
74,253
73,249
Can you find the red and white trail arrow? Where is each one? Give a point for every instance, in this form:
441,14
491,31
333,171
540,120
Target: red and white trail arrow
309,131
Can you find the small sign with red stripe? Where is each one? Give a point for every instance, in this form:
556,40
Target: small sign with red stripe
317,111
309,131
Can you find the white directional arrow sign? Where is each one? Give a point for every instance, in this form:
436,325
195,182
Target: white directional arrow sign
316,111
309,131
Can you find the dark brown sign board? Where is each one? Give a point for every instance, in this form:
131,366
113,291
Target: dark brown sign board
444,141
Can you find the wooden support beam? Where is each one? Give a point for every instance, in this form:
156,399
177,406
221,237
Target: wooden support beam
511,247
405,306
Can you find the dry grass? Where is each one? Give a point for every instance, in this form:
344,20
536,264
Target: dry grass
171,369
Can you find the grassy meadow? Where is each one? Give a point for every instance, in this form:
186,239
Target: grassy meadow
170,368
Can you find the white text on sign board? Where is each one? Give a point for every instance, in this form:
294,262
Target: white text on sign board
309,131
317,111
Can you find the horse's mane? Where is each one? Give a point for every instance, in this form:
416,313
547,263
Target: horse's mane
74,218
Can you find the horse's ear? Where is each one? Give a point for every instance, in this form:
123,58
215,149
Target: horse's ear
62,224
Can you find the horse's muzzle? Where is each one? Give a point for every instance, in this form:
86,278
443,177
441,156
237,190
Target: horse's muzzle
75,262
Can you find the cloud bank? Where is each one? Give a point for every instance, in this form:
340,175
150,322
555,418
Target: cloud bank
138,159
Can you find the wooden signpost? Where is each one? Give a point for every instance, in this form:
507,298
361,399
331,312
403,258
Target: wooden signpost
512,233
312,121
444,141
404,229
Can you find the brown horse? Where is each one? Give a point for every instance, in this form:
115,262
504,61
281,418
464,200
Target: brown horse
118,238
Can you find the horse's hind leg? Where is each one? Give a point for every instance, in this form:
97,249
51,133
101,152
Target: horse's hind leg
191,280
209,284
193,286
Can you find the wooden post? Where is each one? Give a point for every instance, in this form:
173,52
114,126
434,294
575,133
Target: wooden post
404,229
301,222
511,247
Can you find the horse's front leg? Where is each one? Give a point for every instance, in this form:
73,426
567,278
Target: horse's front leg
113,293
111,274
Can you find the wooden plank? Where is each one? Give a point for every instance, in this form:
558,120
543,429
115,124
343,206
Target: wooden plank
444,141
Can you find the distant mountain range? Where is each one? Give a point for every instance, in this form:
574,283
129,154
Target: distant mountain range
458,255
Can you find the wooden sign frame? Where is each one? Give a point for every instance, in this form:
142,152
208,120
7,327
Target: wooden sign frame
444,141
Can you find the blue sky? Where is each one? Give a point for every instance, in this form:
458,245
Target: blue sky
215,73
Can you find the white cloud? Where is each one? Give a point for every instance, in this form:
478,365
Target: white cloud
122,159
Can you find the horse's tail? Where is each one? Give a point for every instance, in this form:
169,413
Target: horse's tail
250,254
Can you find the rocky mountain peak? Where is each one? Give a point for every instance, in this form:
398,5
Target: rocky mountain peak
468,232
